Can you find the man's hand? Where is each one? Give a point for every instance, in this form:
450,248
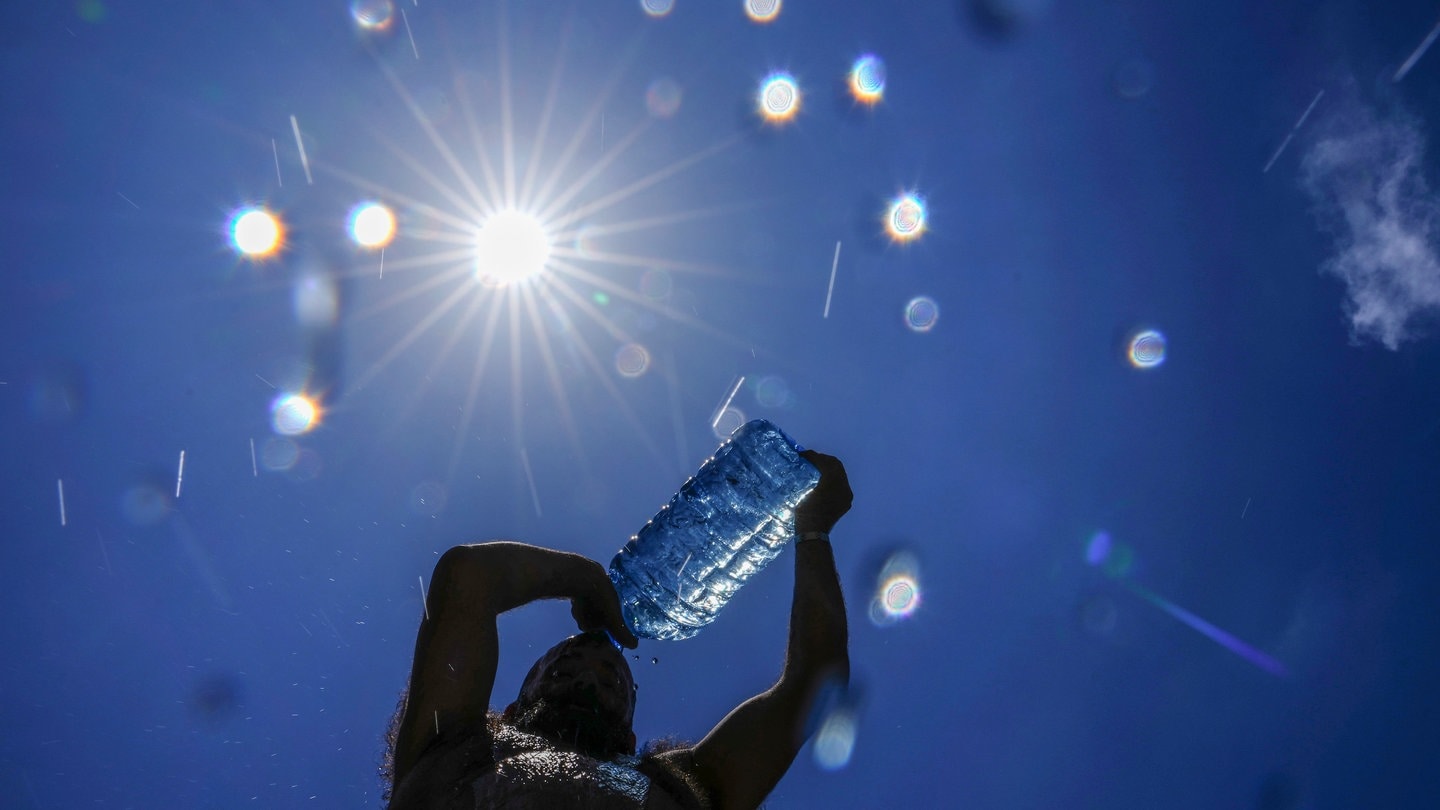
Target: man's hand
596,606
829,500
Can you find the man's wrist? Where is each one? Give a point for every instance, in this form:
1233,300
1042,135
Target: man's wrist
812,535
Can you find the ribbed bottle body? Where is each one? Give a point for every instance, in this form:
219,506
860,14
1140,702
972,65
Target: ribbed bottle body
724,525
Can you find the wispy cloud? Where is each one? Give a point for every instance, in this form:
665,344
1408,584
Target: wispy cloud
1366,175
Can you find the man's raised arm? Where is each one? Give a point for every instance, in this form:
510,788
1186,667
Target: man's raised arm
742,759
457,648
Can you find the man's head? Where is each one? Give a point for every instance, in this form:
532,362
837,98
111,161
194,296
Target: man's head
580,694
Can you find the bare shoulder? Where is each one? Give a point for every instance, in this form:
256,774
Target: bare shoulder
675,777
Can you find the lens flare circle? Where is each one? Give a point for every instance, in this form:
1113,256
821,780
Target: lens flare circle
1147,349
256,233
316,299
279,454
901,596
657,284
512,246
1134,78
921,314
897,590
632,360
906,218
728,422
372,15
372,225
657,8
1114,559
428,499
145,504
867,79
587,245
1098,548
835,739
779,97
762,11
772,391
294,414
662,97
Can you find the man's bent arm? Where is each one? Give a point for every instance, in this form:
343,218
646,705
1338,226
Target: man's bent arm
746,754
457,648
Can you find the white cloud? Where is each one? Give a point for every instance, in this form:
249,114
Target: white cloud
1366,176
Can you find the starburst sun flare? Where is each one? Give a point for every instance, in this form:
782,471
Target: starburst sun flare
503,243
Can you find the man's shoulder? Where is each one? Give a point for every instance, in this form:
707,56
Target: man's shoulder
505,767
550,777
673,773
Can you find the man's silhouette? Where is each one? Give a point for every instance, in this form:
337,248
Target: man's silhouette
566,741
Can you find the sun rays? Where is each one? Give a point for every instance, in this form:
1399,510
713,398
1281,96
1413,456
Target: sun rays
503,249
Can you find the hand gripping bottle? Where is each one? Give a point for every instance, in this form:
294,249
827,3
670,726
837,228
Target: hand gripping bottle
726,523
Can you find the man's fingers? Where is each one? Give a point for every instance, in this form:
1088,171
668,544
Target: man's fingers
830,500
622,634
618,630
599,609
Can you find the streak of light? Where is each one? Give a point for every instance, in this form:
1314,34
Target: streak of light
300,144
726,404
1246,509
680,579
382,262
419,328
834,263
180,474
275,150
325,619
410,34
254,468
424,599
1211,632
507,122
1419,52
202,561
547,190
104,552
625,192
1292,132
437,721
60,487
267,382
128,200
600,369
530,479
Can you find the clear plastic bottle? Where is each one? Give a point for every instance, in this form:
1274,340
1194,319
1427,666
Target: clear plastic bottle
725,524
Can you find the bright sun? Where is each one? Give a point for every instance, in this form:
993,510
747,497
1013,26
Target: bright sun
510,247
526,239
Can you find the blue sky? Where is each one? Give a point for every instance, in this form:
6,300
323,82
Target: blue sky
1259,635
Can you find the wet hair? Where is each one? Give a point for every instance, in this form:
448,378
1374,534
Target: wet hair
589,639
593,639
670,775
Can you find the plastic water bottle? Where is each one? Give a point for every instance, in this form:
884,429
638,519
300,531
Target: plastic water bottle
725,524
